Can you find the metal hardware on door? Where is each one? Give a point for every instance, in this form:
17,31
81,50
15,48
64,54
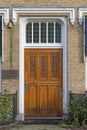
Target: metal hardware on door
25,87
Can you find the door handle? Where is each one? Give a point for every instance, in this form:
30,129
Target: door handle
25,87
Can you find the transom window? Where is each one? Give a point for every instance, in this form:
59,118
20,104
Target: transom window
43,32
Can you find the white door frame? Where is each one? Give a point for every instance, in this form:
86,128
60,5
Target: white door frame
21,66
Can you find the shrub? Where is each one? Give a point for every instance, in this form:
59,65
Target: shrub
6,107
77,112
77,109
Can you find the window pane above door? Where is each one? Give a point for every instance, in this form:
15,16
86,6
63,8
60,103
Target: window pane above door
58,32
50,32
36,32
29,33
43,33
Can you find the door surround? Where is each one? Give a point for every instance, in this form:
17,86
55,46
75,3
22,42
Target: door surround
21,64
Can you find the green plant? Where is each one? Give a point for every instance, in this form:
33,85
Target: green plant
6,107
77,112
65,124
77,109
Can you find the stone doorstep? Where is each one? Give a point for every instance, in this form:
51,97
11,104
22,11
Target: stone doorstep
41,121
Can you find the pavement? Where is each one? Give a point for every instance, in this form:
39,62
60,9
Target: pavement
36,127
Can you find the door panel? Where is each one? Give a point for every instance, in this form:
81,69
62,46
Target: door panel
43,78
32,95
43,71
43,98
32,59
54,98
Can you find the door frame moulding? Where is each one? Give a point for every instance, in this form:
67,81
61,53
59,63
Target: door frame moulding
5,13
43,10
21,66
82,11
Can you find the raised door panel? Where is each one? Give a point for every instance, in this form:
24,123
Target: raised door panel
43,98
33,67
32,98
43,67
56,66
54,98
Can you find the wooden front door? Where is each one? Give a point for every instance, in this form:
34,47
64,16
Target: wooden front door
43,82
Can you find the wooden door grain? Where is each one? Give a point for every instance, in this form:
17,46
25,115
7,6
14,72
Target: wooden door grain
43,78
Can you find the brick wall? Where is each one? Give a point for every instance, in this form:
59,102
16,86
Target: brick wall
62,3
76,70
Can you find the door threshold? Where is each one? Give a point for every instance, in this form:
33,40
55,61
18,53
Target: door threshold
44,120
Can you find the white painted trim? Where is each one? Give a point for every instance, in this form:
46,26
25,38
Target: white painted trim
65,68
21,67
43,10
21,73
81,13
44,47
5,12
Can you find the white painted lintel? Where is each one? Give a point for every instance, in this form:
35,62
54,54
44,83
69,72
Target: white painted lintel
81,13
42,10
5,12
